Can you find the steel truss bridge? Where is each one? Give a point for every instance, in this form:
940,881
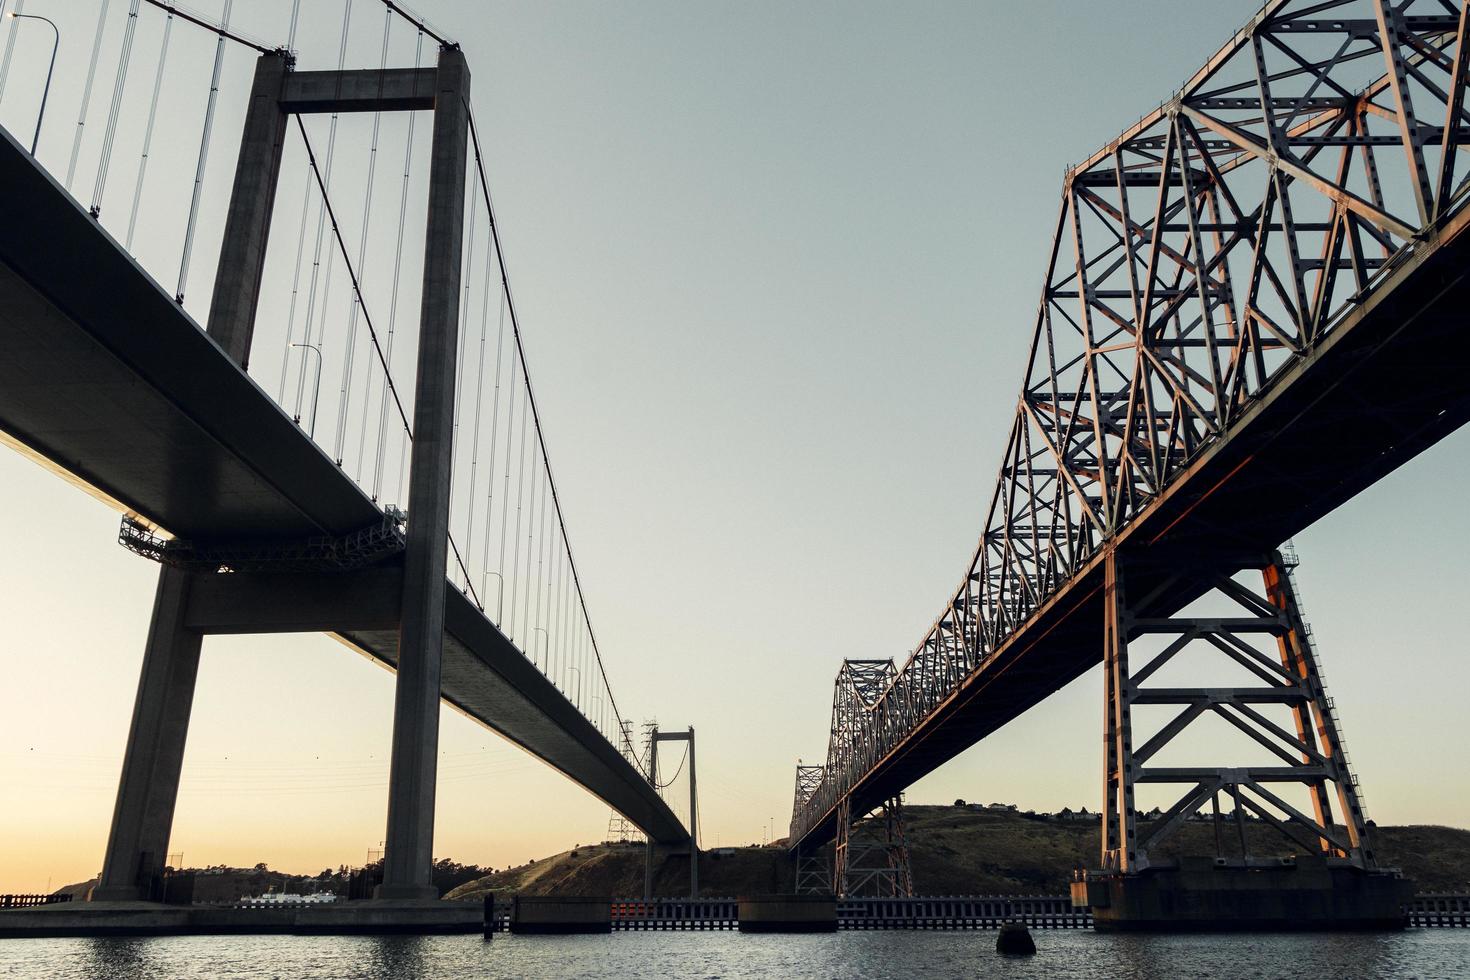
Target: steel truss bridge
1253,308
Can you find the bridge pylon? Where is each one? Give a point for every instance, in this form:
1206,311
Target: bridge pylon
1260,632
813,864
871,857
152,763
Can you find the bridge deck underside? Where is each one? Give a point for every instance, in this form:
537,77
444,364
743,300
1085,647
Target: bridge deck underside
105,379
1392,380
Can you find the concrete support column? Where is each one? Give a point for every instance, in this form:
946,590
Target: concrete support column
143,818
248,222
411,782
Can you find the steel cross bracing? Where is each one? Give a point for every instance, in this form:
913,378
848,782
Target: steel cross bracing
1263,633
813,865
871,855
1216,243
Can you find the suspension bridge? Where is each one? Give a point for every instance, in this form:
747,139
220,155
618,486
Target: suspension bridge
414,516
1252,310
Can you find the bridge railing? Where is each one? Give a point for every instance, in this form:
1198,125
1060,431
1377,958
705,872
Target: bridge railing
1216,242
32,901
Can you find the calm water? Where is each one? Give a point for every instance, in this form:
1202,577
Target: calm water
1417,953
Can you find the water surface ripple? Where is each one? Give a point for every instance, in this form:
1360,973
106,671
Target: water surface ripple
1426,953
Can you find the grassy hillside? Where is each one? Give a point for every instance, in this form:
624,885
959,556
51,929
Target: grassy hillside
616,870
953,851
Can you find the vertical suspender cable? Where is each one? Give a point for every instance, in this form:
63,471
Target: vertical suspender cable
76,143
530,537
505,492
168,26
515,564
219,58
460,372
470,497
291,33
494,440
118,84
367,215
20,5
393,300
561,595
541,564
295,289
321,226
531,400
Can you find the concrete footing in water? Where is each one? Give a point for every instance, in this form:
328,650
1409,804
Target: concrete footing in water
1014,938
1305,893
157,919
546,915
787,913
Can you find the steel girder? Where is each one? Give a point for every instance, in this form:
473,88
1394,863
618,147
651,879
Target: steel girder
1216,241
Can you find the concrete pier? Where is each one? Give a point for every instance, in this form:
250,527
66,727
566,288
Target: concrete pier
1304,893
551,914
102,918
408,850
788,913
143,815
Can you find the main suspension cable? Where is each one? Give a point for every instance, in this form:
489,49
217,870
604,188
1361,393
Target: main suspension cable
222,29
531,401
417,22
366,316
347,261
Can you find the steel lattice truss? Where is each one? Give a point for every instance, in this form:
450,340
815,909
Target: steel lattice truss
1214,242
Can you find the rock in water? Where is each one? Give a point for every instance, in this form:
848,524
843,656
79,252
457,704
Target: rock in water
1016,939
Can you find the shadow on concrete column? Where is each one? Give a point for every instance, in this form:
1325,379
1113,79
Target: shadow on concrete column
408,853
149,787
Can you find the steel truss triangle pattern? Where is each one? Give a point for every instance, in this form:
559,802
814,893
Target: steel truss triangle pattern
871,855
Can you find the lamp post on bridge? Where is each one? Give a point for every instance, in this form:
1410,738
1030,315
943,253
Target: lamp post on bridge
316,391
45,92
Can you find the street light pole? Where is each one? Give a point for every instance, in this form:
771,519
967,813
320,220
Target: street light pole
316,392
46,92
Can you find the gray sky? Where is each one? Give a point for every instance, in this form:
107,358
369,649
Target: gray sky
778,266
